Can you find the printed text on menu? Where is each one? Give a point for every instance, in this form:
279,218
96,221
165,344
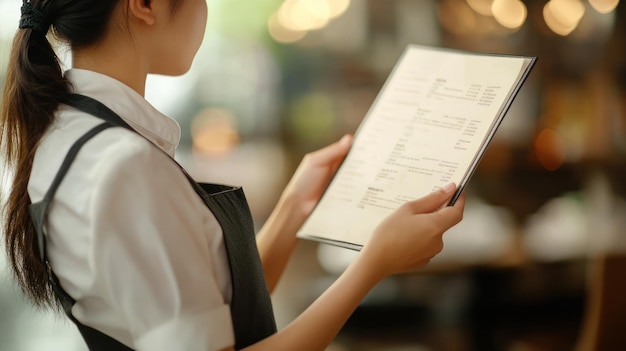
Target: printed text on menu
423,132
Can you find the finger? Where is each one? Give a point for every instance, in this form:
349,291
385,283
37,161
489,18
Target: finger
421,264
332,152
451,215
460,202
432,201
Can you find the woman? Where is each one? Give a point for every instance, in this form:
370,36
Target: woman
103,222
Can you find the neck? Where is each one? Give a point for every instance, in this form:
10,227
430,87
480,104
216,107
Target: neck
120,61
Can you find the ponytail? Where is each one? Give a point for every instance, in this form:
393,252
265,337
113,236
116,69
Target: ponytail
33,90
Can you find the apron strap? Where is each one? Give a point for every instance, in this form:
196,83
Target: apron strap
38,211
97,109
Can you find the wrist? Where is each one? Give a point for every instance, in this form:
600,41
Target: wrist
283,222
366,263
291,209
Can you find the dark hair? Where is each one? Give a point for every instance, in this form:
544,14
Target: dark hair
33,90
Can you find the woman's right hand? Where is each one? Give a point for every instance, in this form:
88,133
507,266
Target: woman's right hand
405,240
411,235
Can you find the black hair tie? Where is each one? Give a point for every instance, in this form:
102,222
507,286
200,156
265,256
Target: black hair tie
33,18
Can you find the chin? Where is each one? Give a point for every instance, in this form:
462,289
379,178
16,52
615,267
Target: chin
173,70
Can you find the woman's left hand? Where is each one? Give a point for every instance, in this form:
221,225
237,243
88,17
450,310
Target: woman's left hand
313,175
276,240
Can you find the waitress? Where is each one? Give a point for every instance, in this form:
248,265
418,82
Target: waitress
102,222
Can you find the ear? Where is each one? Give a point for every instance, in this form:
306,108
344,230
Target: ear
142,10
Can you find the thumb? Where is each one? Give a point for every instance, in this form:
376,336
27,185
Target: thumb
432,201
331,152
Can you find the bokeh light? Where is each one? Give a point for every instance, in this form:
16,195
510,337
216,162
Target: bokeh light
281,33
295,18
604,6
550,149
337,7
214,132
483,7
509,13
563,16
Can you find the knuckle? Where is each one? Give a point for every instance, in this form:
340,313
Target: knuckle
407,206
437,239
439,245
458,217
307,158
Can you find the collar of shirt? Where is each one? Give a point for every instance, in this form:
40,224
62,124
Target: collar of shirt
158,128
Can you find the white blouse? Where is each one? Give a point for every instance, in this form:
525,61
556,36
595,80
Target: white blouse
127,236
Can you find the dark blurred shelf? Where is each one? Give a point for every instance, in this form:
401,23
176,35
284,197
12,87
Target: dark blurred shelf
490,310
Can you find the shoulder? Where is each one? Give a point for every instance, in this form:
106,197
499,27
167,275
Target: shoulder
118,150
110,149
112,156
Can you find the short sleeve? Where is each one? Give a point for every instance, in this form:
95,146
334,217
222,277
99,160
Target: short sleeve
151,253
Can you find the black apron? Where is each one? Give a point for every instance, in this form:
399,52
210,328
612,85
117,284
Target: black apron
251,308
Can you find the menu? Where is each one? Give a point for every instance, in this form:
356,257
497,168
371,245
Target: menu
429,125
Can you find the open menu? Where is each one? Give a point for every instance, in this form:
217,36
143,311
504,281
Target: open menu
429,125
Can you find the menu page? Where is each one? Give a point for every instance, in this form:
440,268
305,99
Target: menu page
428,127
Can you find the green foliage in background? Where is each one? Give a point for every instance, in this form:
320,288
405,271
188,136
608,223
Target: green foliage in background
241,19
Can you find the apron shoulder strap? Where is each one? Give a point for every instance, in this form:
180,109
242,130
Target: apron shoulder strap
97,109
96,341
39,210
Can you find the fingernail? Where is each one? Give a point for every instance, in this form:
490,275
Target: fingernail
344,139
449,188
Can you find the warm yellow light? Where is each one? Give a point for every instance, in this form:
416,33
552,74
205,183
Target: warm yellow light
509,13
556,26
283,16
568,12
481,6
282,34
563,16
604,6
214,132
296,17
338,7
553,22
308,14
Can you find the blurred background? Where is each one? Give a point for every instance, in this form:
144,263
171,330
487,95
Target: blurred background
536,263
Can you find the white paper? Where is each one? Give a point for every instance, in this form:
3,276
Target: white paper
429,123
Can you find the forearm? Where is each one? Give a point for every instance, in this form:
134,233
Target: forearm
277,240
318,325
